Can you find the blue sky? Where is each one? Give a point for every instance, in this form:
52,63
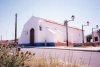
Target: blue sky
56,10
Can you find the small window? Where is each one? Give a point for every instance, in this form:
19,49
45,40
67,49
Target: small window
40,28
96,38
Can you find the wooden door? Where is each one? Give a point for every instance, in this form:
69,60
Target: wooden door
32,36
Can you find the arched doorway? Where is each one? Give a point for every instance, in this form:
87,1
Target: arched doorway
32,36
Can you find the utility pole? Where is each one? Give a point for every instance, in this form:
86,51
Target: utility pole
16,29
82,35
66,24
83,32
1,40
1,37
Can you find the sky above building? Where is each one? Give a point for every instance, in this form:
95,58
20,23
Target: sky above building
56,10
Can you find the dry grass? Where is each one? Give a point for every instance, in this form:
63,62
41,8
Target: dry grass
52,62
10,58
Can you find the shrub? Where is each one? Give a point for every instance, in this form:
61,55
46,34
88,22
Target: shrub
10,57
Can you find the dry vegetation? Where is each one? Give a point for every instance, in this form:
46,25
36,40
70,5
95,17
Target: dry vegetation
10,57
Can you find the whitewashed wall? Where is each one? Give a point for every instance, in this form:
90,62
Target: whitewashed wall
25,36
50,32
75,35
95,34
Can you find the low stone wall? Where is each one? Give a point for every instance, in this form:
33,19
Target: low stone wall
92,44
63,44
